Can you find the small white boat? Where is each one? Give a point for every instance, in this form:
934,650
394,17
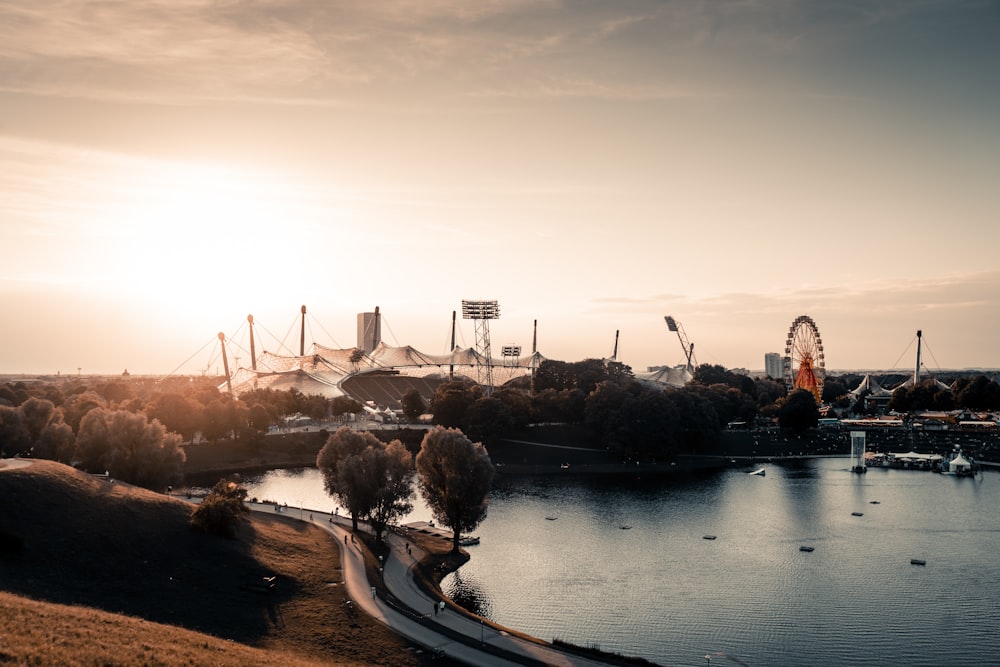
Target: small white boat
469,541
760,471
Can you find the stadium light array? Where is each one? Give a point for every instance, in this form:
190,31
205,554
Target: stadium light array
480,310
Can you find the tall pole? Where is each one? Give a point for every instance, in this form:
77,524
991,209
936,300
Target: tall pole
302,336
534,355
614,354
451,367
377,338
253,351
916,371
225,363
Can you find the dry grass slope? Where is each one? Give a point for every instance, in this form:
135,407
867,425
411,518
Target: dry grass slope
83,544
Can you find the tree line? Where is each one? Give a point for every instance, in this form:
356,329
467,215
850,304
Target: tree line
133,430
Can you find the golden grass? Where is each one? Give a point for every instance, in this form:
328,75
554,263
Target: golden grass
126,559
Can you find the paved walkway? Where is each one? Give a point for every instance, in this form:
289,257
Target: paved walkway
409,611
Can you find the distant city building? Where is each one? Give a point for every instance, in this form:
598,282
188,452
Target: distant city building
369,331
773,366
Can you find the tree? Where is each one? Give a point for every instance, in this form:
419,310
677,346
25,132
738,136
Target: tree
78,405
413,404
487,418
455,477
129,448
519,405
178,413
222,510
389,471
14,437
451,401
977,393
799,411
344,405
342,480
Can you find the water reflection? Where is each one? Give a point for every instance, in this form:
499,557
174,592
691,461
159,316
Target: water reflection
555,562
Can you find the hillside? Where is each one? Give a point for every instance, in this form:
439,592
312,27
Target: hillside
71,539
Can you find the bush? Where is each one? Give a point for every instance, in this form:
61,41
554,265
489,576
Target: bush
222,510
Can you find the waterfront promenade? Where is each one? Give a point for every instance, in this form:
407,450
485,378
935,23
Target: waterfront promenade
409,611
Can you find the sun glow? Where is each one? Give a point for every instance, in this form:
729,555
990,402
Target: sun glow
191,229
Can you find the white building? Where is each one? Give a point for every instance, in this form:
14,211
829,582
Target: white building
773,366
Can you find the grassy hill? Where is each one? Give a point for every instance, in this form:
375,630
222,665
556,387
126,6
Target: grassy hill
114,572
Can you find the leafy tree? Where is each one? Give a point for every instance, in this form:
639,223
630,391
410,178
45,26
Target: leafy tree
519,405
224,418
79,404
341,479
114,392
180,414
637,421
926,395
413,404
129,448
50,437
582,375
977,393
799,412
487,418
14,437
455,477
699,422
223,510
833,389
388,469
315,406
259,420
452,400
344,405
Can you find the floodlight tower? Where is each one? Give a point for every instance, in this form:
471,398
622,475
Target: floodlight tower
482,312
676,327
511,356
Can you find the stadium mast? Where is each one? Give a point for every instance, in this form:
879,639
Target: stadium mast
225,363
253,351
302,336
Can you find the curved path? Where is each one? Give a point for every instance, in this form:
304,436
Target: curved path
410,612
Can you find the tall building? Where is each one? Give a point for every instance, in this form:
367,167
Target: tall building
773,366
369,330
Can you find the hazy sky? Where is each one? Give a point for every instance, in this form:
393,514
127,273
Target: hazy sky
169,167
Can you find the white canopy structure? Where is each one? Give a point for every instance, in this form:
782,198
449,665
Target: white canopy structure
677,376
324,370
872,386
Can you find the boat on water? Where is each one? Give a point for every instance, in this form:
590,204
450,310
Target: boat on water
760,472
468,541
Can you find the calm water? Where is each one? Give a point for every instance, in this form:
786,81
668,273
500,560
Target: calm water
556,562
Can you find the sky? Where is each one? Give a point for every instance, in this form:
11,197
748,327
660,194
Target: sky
169,167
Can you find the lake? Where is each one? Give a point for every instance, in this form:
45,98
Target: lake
624,565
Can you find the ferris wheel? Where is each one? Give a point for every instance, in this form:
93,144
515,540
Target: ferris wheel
805,367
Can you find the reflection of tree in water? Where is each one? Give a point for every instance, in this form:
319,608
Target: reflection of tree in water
467,594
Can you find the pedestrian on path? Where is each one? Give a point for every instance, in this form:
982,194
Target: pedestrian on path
434,604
